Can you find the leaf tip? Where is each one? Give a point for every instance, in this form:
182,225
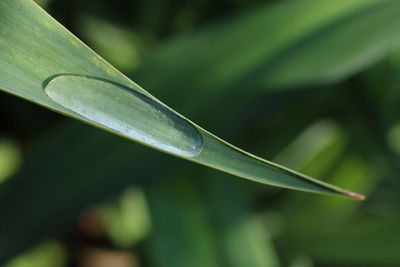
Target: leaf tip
354,195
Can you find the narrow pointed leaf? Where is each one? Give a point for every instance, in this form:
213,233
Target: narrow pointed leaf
44,63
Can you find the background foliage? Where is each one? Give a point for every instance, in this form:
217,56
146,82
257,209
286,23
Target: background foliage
313,85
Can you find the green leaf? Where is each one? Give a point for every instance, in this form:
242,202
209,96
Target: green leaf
288,44
353,243
37,53
235,224
181,233
206,220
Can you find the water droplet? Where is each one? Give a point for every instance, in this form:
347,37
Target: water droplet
126,111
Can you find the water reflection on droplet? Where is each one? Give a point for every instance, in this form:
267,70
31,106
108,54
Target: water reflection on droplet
126,111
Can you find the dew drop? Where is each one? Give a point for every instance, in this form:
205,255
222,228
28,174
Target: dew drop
127,112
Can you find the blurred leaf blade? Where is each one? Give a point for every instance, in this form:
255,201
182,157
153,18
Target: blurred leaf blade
374,23
272,52
235,225
182,236
207,223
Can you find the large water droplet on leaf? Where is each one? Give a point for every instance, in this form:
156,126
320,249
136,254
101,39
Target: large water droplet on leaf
127,112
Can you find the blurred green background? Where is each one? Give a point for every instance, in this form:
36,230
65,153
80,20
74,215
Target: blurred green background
313,85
